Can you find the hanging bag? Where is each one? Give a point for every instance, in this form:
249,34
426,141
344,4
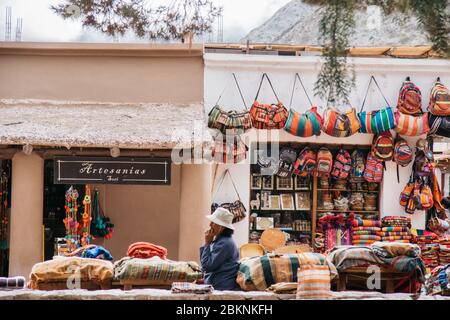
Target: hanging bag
288,157
303,125
231,122
340,124
375,122
306,163
237,208
225,151
409,99
408,125
439,100
439,126
403,154
268,116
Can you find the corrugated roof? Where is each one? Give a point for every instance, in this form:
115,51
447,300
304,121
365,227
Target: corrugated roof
100,125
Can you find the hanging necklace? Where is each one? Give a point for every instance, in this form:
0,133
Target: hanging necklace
70,221
86,218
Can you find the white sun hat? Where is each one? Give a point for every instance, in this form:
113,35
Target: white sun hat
222,217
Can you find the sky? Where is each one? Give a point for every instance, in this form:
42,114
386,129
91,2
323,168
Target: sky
41,24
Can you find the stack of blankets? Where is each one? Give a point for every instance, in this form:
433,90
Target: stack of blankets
444,255
396,229
430,249
145,250
430,255
366,232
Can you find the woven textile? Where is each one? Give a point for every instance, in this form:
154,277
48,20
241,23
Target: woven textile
62,268
12,283
366,223
337,229
259,273
156,269
188,287
146,250
314,282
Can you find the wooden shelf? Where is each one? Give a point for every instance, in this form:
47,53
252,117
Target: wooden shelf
356,211
346,190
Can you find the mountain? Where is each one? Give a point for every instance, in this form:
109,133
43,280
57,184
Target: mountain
298,23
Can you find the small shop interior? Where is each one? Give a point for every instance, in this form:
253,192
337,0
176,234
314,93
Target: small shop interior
296,204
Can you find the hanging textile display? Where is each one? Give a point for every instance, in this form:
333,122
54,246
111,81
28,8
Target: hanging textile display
71,222
376,121
337,230
101,226
86,218
4,220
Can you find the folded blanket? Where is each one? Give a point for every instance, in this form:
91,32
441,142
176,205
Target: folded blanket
97,252
366,223
366,237
395,229
394,249
393,234
393,238
188,287
145,250
396,221
284,287
400,241
259,273
366,229
361,232
12,283
60,269
363,242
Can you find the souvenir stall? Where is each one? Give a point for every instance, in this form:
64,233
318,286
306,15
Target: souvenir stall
325,184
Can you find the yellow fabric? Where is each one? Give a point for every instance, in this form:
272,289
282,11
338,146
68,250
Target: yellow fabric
61,269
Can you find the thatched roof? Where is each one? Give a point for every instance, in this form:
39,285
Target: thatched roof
100,125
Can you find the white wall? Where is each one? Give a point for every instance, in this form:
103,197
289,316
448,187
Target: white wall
389,73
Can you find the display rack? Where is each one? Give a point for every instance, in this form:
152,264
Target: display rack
282,218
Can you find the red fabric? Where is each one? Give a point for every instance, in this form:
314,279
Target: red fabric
146,250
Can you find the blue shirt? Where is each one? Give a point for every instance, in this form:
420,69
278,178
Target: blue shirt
220,262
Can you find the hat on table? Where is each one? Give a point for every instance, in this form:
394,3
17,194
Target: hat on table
222,217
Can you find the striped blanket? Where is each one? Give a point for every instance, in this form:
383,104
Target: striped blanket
366,237
395,229
366,223
375,229
61,269
360,256
156,269
259,273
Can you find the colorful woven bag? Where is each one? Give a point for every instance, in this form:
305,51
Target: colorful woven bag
439,99
408,125
268,116
303,125
409,98
375,122
230,122
341,125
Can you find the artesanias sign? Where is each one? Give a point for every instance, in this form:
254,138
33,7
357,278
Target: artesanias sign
103,170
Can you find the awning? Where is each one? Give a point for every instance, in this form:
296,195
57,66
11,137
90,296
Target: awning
101,125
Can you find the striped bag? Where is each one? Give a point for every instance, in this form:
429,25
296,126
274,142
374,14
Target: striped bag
374,169
314,282
268,116
408,125
439,99
341,125
303,125
375,122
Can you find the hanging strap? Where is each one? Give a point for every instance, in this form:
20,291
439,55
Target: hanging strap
372,78
239,89
225,173
293,90
260,84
